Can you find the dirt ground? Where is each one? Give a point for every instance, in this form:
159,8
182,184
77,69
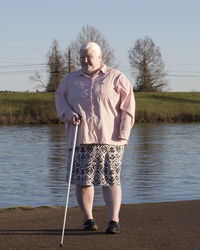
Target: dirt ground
168,225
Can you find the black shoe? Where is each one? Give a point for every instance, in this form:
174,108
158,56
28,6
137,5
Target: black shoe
113,227
90,225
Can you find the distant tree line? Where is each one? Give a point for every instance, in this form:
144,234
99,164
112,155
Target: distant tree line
145,61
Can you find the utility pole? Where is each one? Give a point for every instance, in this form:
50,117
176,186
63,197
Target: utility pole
69,61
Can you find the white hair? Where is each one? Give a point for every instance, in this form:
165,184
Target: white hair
93,46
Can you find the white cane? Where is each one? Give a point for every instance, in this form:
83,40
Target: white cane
69,183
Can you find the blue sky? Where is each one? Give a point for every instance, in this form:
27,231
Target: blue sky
28,28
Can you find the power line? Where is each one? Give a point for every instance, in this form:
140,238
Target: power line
24,71
176,75
184,75
25,68
33,71
23,65
21,72
184,71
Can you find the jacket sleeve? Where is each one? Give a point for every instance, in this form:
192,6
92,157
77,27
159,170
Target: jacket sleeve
127,107
63,108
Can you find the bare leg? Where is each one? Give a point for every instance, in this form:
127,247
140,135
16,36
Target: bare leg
85,196
113,197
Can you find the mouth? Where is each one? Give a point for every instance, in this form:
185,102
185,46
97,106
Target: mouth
87,65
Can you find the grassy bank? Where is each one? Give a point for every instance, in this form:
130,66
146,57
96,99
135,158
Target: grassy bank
17,108
168,107
22,108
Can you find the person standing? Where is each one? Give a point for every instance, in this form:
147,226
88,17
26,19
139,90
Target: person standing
101,100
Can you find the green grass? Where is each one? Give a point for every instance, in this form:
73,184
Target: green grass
15,208
168,107
17,107
34,108
2,210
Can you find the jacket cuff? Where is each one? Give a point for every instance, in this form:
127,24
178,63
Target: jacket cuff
124,135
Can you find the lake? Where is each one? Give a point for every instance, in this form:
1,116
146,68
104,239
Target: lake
161,163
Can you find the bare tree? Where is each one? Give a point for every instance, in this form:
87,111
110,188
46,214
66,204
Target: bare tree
57,67
36,77
146,59
90,34
60,64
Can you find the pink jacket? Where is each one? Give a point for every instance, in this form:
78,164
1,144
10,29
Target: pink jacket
106,103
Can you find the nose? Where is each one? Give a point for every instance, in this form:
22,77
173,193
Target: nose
85,59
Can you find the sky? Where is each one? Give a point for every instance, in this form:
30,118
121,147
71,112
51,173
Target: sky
28,28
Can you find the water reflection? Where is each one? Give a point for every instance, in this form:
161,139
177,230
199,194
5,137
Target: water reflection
145,161
161,163
57,156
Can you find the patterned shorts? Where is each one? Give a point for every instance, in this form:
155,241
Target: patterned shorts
96,164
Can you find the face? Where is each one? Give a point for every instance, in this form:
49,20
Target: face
90,61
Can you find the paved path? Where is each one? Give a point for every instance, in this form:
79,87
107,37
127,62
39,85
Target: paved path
173,225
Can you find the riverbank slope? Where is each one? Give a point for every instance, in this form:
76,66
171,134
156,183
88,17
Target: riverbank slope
168,225
39,108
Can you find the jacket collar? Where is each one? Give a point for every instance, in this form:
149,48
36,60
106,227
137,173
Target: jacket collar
103,69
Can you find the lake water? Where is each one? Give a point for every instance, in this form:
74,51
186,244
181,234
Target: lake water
161,163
